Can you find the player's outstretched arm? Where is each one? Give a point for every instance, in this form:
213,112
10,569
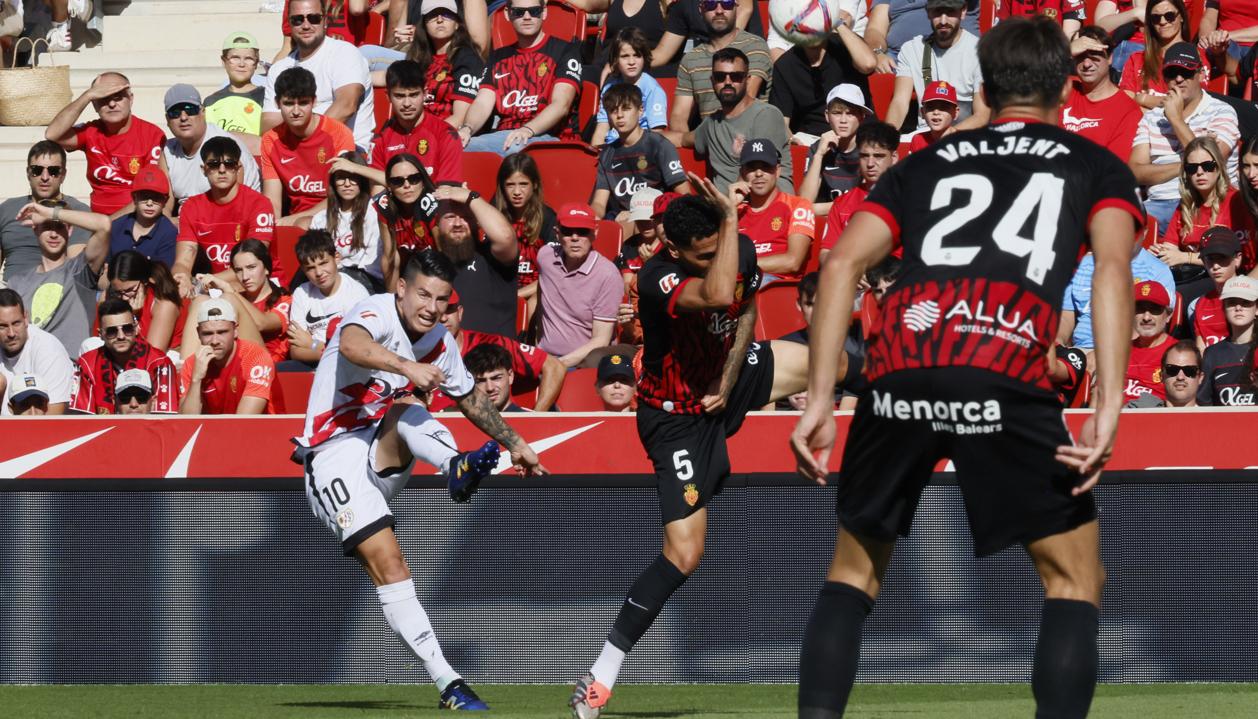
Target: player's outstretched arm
864,243
714,401
1113,237
721,278
359,347
477,407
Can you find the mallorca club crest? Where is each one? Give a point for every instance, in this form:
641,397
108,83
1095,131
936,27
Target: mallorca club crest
232,383
323,156
423,147
776,224
641,163
1157,375
134,166
441,76
345,519
691,494
542,69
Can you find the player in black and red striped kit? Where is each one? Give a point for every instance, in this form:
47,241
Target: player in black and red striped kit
701,375
992,223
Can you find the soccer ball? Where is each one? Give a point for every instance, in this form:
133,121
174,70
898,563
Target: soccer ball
804,22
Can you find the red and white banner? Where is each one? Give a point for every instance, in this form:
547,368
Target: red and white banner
590,444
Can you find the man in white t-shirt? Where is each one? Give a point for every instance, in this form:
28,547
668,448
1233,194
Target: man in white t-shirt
324,298
1162,134
181,155
28,350
953,58
342,76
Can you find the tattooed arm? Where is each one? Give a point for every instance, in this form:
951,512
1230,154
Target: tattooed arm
714,401
476,406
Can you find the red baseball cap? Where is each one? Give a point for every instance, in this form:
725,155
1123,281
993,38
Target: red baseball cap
663,201
454,298
151,179
578,215
1154,292
942,91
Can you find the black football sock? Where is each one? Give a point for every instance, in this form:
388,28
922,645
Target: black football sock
1066,659
831,650
643,603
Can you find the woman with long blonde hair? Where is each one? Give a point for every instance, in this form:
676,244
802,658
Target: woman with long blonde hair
1205,198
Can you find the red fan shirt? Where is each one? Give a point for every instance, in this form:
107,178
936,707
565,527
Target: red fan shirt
301,164
769,227
1208,320
433,141
1144,370
524,79
1056,9
249,373
1110,123
1188,239
113,161
96,376
218,227
277,343
526,364
409,230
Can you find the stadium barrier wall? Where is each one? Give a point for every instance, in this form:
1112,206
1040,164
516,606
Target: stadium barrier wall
230,578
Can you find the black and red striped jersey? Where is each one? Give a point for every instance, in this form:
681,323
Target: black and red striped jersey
523,81
684,352
992,223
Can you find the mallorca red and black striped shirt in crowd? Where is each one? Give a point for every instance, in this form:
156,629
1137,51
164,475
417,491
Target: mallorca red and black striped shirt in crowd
684,352
96,375
993,223
523,81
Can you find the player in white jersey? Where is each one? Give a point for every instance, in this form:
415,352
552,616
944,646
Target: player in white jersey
366,426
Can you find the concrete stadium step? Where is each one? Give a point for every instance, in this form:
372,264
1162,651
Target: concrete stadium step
184,33
184,7
101,59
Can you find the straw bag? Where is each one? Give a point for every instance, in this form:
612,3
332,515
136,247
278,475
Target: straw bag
32,95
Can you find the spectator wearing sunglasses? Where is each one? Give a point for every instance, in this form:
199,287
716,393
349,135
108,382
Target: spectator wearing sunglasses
1226,366
133,392
210,224
531,87
892,23
146,230
1165,131
696,90
296,153
1153,314
98,373
1181,374
60,291
117,144
181,155
580,290
45,171
342,78
686,21
1206,199
27,350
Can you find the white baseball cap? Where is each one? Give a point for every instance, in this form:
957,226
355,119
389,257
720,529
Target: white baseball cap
642,204
134,379
89,344
26,386
1241,287
216,309
430,5
848,94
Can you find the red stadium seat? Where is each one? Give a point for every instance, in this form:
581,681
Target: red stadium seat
814,250
284,250
578,393
1150,233
294,392
587,108
526,399
669,86
764,16
987,15
383,110
522,314
690,163
568,170
777,313
1195,10
562,21
607,239
881,88
480,169
799,156
1177,314
375,29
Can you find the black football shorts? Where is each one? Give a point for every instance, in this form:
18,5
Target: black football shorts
688,450
1002,436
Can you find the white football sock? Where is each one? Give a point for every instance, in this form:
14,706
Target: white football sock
607,667
410,622
427,438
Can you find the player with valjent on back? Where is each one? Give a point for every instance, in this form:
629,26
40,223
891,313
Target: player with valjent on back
992,223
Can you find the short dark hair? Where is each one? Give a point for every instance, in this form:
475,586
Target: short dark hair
1024,62
621,94
808,286
429,263
46,147
406,74
1182,346
220,148
878,134
1098,33
295,82
730,54
888,269
113,306
689,218
315,244
10,298
485,358
634,38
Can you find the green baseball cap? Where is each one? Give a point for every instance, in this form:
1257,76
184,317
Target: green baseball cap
240,41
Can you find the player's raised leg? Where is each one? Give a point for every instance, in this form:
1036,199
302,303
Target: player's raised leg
1066,655
409,432
790,368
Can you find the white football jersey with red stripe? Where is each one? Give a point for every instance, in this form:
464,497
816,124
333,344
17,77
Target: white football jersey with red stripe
345,397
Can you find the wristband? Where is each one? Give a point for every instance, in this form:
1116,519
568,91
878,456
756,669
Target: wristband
465,127
472,195
532,132
56,214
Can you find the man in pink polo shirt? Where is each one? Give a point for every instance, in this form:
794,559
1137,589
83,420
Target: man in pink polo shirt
580,289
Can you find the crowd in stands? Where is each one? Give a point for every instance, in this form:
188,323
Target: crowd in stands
537,145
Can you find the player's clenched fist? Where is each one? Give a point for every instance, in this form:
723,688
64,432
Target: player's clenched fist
425,377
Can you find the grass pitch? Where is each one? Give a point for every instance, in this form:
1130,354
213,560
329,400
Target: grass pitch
973,701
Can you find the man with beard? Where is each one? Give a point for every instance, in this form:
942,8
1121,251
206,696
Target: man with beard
98,372
27,350
950,54
1097,109
1144,368
481,243
45,171
694,75
721,136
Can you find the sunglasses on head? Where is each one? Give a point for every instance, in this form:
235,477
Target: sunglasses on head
736,76
1166,17
416,180
519,12
125,396
221,164
174,111
127,329
314,18
1208,165
710,5
1173,370
39,170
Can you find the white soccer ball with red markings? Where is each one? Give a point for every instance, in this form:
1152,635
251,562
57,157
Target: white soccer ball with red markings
804,22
